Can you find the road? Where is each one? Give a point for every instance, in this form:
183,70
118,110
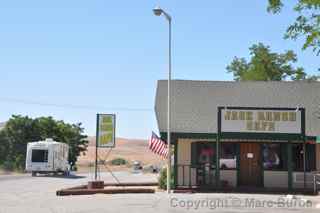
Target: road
23,193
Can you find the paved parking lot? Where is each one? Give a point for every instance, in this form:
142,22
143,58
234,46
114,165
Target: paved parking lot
23,193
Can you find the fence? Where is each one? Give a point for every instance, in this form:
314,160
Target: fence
316,183
196,175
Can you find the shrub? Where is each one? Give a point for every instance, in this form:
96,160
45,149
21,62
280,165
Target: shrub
119,161
162,181
7,166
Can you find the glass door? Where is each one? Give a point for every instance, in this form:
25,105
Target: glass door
205,160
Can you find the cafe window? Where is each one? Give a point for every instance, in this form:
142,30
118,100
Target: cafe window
297,157
203,153
274,156
228,156
206,153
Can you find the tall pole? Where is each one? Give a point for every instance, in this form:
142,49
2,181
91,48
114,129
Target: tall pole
96,161
169,115
158,12
96,164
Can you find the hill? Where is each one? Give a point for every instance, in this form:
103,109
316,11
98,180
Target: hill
129,149
2,124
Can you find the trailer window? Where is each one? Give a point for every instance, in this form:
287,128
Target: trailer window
39,155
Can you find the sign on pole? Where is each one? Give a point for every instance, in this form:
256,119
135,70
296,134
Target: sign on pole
106,125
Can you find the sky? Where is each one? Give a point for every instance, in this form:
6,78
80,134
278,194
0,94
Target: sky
73,59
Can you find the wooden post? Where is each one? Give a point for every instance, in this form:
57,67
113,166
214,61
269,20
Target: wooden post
303,127
96,161
289,163
218,149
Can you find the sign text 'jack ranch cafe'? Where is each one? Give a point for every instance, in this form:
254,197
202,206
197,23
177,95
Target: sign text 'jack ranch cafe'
261,121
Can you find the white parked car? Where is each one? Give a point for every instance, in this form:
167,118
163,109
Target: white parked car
47,157
137,167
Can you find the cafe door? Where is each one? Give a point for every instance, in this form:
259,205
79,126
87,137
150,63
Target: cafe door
205,164
250,165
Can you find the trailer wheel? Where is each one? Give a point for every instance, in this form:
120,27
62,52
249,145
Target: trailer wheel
34,174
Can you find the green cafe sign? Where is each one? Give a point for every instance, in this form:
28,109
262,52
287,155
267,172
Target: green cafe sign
261,121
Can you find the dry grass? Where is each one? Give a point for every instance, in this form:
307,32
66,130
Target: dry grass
128,149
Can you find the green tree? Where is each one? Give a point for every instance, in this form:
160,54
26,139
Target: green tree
3,147
307,23
265,65
20,130
61,131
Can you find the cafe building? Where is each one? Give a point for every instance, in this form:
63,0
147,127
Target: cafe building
242,135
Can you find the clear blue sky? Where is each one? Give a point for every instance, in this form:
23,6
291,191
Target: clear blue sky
108,55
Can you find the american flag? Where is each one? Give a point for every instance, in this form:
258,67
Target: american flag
158,146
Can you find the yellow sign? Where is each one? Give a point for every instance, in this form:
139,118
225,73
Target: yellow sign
106,130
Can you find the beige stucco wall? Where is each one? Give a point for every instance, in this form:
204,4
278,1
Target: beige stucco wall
230,176
275,179
279,179
184,158
297,180
184,151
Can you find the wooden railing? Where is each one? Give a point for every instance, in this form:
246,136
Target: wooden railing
195,175
316,183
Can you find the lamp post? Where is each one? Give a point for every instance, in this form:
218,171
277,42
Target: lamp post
158,12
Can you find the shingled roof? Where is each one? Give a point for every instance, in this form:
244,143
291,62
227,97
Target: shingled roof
194,103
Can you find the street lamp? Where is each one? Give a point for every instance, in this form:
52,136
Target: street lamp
158,12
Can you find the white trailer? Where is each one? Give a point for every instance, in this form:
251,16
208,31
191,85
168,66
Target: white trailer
47,157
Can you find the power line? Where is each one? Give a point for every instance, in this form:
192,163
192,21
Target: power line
71,106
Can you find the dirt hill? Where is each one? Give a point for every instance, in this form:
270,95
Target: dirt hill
129,149
2,124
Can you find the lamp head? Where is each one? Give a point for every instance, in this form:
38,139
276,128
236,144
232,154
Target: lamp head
157,11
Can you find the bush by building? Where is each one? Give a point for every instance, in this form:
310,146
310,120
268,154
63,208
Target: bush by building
162,181
118,162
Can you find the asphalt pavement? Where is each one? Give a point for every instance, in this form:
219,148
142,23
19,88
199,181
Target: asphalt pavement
23,193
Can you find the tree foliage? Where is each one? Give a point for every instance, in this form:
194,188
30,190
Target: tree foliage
307,23
265,65
20,130
3,147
